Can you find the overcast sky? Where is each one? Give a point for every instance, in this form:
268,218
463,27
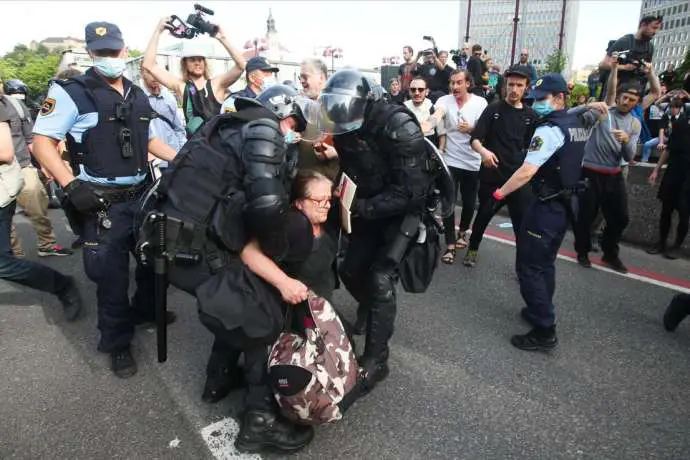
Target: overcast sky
303,25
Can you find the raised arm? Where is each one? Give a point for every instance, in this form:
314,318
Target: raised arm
221,82
167,79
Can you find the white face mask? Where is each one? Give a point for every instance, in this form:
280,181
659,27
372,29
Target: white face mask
268,82
21,97
109,67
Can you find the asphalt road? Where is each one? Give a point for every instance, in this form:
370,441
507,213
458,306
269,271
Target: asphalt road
615,388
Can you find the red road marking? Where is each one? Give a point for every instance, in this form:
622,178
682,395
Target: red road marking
636,271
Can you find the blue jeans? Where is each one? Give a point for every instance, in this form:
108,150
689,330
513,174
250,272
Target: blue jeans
22,271
648,146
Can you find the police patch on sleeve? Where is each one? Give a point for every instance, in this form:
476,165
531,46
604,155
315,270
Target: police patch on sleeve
48,106
536,144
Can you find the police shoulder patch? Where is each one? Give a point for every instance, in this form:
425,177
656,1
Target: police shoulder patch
48,106
536,144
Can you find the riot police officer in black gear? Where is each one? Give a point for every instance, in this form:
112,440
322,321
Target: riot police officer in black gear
228,185
382,149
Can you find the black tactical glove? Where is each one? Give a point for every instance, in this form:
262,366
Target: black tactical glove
84,197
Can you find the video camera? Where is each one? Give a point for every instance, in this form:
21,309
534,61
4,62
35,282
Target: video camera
456,56
194,26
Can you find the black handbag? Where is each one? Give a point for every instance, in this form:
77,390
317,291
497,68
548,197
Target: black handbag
421,259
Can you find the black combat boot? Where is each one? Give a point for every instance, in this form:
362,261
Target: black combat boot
374,361
265,430
538,339
222,375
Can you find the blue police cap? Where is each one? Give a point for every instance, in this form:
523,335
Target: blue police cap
548,84
103,36
260,63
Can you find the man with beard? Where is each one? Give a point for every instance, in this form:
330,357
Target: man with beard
638,48
201,95
613,139
382,149
501,137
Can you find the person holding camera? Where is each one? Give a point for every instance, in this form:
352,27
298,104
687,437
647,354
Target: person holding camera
201,95
632,50
613,141
435,71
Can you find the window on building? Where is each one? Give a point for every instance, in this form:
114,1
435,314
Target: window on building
677,22
673,11
682,22
685,8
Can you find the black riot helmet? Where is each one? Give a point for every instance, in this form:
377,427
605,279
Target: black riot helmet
16,87
283,101
344,101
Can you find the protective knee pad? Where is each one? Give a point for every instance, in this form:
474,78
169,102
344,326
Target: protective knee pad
382,287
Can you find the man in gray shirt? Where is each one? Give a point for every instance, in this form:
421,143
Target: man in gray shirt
612,143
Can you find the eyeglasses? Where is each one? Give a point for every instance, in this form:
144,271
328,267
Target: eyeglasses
321,202
417,90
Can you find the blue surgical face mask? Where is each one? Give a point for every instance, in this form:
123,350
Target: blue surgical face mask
109,67
291,138
268,82
542,108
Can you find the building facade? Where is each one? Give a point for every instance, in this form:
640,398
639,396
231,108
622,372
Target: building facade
539,26
672,42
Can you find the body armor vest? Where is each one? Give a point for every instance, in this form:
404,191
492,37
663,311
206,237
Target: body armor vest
562,171
118,145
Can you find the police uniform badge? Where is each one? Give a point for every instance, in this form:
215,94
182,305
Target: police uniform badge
536,144
539,82
101,31
48,106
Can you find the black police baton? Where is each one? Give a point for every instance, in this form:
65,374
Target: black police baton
160,270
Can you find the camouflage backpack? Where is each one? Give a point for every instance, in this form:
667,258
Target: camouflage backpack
312,374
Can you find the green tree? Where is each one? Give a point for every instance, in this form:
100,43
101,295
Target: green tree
578,90
34,67
135,53
555,62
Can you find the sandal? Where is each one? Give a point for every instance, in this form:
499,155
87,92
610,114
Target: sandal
463,240
448,256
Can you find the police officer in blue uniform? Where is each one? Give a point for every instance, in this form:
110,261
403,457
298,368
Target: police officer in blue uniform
261,75
553,164
104,119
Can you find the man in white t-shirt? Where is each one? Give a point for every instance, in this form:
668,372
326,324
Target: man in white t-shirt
422,108
458,113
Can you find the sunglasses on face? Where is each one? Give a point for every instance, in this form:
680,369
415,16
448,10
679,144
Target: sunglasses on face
417,90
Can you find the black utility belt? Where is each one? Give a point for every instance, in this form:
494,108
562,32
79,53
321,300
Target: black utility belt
120,194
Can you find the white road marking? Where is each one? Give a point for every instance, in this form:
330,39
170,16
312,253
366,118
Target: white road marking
220,439
634,276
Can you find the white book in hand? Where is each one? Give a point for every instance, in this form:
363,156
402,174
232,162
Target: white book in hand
346,195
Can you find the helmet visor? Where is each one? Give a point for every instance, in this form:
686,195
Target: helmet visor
341,113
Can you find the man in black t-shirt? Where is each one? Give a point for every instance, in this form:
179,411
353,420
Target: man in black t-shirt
636,48
436,73
501,137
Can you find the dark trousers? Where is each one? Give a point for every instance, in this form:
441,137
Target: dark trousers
106,263
259,395
608,193
667,208
467,182
22,271
370,277
517,203
543,229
